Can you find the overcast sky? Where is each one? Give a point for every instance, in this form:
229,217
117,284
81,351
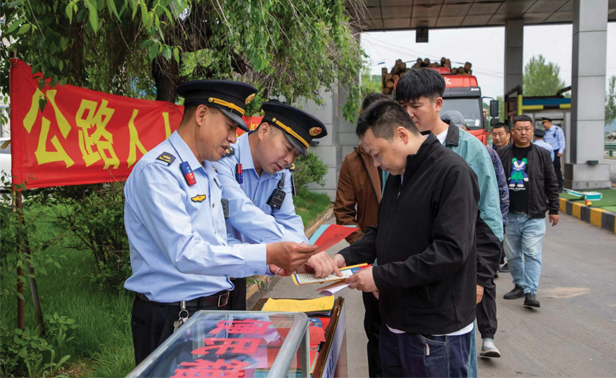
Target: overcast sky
484,47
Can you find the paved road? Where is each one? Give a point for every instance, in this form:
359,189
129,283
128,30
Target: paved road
573,334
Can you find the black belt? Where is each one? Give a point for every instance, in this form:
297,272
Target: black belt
219,299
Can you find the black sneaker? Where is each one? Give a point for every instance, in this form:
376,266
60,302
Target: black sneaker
530,300
516,293
504,268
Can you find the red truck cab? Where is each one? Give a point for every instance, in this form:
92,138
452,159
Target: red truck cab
462,93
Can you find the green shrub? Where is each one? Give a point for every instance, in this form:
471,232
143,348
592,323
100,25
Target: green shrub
25,354
309,169
95,215
19,251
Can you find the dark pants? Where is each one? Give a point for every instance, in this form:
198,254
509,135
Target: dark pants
559,174
486,311
411,355
237,297
152,324
372,325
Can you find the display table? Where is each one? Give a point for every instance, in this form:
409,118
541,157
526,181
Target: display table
332,358
233,344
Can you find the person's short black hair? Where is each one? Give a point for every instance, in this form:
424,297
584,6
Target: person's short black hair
522,118
420,82
383,117
189,112
503,125
372,98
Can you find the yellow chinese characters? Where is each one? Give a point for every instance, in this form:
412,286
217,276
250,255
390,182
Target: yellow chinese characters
44,156
89,117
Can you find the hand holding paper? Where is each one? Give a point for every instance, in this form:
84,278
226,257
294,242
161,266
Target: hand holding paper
307,278
320,265
363,281
288,255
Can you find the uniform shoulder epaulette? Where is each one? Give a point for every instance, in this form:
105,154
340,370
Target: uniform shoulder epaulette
166,158
229,152
214,168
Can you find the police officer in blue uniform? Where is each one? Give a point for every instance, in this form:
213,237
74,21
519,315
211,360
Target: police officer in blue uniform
258,184
555,137
181,255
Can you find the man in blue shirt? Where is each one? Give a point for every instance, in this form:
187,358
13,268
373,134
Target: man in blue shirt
555,137
258,184
539,141
175,220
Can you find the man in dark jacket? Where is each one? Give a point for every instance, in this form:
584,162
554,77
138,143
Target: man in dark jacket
533,190
420,91
357,203
425,246
486,308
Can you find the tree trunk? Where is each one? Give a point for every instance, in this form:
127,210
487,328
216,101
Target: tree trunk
25,245
166,76
21,315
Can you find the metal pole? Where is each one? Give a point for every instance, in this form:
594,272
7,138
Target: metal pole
25,250
305,354
21,318
294,340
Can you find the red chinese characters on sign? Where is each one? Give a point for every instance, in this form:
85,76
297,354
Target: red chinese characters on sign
211,369
235,346
247,327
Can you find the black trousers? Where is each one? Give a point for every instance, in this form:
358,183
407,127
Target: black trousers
559,174
486,311
237,297
372,326
152,324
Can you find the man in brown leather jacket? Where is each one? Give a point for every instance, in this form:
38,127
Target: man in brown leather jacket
357,203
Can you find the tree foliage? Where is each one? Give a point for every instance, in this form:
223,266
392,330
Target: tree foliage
610,101
541,78
137,48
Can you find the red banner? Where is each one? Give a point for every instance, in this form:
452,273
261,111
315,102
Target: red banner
82,136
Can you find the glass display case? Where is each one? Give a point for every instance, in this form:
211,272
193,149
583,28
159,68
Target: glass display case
248,344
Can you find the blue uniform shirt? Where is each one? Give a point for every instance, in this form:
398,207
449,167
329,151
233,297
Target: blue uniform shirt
251,219
177,234
555,137
542,143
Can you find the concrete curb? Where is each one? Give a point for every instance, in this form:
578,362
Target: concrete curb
263,281
598,217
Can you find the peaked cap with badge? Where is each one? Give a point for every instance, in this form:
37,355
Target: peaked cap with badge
230,97
546,119
299,127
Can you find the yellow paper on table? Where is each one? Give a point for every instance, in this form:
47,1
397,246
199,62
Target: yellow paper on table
293,305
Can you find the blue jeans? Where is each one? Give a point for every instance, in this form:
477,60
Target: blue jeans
412,355
523,249
471,366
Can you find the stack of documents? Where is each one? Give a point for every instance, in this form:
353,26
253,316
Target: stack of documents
318,306
329,235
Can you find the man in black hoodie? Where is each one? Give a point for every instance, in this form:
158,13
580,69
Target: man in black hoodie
425,245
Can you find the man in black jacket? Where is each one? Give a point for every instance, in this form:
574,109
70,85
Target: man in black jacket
425,246
533,190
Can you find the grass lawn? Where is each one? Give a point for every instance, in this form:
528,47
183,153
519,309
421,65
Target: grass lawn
608,202
103,345
103,342
310,205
